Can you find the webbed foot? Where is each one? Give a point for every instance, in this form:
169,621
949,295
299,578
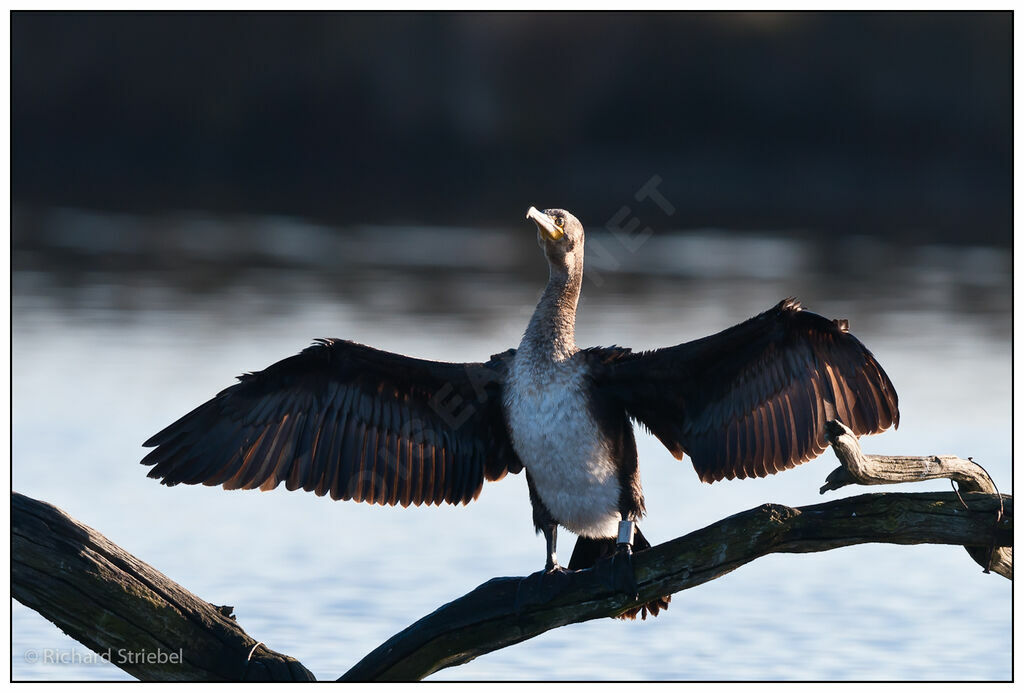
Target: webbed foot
623,579
541,585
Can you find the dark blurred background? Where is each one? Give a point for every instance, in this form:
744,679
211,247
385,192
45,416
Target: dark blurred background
873,123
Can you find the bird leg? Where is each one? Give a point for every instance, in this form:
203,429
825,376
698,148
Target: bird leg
623,578
550,531
544,524
543,585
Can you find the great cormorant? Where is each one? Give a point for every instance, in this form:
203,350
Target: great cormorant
357,423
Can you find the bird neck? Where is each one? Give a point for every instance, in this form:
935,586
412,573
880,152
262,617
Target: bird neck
552,329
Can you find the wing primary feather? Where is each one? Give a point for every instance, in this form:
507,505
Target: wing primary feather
241,442
262,463
182,425
343,457
757,466
431,472
803,416
382,449
392,478
404,462
344,454
325,463
345,450
374,475
215,450
360,468
234,482
727,450
818,383
281,458
420,463
351,483
781,435
775,447
794,447
328,424
867,403
294,453
347,486
749,433
265,467
884,420
375,490
442,471
301,452
837,396
736,435
759,443
183,455
459,472
387,478
764,415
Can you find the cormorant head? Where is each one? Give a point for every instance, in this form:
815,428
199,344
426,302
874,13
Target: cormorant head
560,234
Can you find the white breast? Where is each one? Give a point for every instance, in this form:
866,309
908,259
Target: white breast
561,445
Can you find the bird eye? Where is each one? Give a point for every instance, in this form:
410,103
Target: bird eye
559,222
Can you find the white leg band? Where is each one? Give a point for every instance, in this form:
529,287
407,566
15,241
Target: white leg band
625,532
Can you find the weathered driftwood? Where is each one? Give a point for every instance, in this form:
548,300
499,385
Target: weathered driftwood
971,478
126,611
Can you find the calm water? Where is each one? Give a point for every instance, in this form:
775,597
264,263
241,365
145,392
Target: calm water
121,324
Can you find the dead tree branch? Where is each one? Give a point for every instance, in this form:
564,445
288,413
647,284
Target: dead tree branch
125,610
505,611
858,468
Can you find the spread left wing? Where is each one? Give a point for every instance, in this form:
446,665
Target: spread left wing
349,420
753,399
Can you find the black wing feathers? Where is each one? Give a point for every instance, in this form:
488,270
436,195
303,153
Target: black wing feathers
752,400
347,420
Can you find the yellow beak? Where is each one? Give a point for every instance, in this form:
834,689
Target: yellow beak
545,224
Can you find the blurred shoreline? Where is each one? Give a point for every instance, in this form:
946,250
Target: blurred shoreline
123,263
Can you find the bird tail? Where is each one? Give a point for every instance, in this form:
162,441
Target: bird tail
590,551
